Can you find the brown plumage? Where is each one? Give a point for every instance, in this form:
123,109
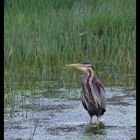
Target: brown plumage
93,95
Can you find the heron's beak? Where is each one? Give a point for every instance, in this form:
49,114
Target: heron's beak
73,65
77,66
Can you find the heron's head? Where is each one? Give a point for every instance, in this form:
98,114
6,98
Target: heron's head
83,66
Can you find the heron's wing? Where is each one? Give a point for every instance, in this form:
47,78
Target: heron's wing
99,91
98,87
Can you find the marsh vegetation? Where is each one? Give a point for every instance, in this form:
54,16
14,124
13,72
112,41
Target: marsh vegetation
40,37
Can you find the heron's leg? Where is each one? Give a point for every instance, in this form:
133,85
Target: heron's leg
91,118
97,122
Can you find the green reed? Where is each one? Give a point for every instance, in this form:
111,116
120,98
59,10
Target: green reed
40,37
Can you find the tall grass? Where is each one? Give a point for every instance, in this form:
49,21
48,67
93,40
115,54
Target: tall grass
41,36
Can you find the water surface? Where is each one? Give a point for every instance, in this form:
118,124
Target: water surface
59,115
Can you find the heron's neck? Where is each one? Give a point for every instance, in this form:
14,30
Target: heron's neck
88,76
87,82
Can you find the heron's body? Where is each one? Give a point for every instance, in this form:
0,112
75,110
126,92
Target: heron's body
93,95
94,103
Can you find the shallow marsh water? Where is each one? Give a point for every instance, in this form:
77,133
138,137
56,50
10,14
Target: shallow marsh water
59,115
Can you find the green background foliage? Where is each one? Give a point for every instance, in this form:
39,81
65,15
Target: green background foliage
42,36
